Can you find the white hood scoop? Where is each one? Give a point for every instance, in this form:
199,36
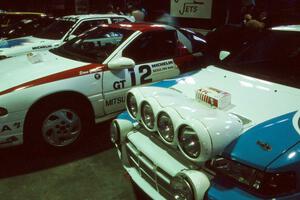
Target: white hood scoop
245,121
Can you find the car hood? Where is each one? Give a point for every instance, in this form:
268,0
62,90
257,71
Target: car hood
263,144
23,69
250,97
266,109
23,45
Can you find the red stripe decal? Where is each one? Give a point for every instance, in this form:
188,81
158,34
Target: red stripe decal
81,71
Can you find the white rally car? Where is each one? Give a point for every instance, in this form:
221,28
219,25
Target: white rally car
173,129
52,97
62,30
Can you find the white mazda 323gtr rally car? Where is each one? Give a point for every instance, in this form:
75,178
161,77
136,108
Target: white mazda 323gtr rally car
57,33
51,97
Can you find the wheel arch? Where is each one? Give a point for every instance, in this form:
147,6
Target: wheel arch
75,96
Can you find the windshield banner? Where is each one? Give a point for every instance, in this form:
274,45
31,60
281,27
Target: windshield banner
191,8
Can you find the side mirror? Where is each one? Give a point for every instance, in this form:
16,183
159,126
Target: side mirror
121,63
223,54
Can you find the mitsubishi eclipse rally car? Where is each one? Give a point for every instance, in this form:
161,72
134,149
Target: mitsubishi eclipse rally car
60,31
172,129
51,97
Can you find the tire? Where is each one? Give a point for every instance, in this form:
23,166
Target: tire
57,124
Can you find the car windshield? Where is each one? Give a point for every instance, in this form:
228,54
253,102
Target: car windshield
275,57
57,30
93,46
26,26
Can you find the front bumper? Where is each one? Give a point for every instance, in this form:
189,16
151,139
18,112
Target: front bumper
225,189
11,129
152,164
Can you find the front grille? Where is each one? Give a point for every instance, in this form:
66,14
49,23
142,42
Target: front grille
155,176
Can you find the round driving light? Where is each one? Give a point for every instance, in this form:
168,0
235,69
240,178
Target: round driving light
165,126
114,132
132,105
3,111
189,142
181,189
147,115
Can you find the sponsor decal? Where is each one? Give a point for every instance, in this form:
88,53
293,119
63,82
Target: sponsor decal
114,101
163,66
90,71
145,72
263,145
5,128
97,76
9,127
119,84
42,47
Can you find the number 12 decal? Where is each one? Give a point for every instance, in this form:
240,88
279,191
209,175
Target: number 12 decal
145,71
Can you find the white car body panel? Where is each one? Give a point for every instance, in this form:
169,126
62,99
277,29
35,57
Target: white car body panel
245,91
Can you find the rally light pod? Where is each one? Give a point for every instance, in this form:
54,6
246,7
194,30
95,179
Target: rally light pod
155,109
176,123
136,93
119,130
141,93
202,138
215,129
197,184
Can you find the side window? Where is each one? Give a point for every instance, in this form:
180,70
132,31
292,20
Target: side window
115,20
86,25
152,46
197,42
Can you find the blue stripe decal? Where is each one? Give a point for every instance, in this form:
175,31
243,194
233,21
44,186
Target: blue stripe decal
12,43
165,84
125,115
171,82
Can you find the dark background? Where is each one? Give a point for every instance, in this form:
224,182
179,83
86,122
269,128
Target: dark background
224,11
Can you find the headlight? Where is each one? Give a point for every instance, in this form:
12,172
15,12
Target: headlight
132,106
189,141
147,115
114,132
165,126
181,189
263,183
